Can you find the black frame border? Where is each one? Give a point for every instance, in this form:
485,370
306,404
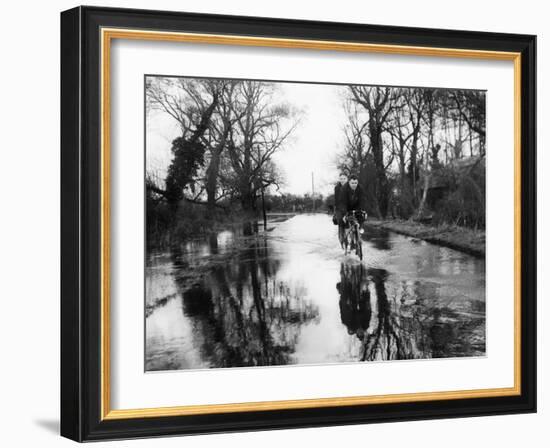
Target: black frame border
81,223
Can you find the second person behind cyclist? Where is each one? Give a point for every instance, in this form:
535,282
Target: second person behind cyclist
340,204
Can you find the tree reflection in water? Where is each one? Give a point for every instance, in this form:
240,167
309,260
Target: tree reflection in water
245,317
407,319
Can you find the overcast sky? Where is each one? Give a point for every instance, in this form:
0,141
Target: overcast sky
317,140
312,148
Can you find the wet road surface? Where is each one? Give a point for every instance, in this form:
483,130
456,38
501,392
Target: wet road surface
289,295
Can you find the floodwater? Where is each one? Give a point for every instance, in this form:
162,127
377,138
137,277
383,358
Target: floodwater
288,295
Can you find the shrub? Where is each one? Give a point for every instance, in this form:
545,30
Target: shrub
465,206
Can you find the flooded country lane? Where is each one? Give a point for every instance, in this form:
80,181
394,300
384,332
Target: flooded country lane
289,295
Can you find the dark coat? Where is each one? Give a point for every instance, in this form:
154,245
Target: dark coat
355,199
340,197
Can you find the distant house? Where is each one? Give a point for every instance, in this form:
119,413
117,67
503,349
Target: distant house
444,178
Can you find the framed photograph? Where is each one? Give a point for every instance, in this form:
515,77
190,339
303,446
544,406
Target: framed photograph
272,223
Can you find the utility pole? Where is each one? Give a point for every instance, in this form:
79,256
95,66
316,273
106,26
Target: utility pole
313,190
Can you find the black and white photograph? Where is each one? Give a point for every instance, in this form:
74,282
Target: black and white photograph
304,223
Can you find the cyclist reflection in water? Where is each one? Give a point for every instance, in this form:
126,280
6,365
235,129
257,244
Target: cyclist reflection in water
355,307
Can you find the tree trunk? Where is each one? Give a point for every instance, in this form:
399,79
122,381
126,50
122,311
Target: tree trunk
422,205
381,178
214,169
413,168
212,177
248,198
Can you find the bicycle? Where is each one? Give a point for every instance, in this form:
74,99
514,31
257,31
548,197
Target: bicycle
352,233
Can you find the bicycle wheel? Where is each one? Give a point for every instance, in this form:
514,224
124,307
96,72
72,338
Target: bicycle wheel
345,242
358,244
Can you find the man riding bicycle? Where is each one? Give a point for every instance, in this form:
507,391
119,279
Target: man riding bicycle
355,199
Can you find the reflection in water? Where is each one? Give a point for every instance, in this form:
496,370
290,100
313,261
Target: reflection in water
241,314
380,238
405,324
289,296
387,340
355,306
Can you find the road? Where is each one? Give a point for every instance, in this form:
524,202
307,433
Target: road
289,295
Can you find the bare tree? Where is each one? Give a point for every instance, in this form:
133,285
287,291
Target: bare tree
261,128
221,124
357,143
432,100
404,127
378,103
470,104
192,104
